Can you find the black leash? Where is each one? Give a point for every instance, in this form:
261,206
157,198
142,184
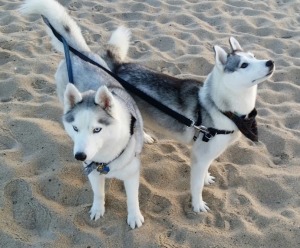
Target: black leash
67,49
208,133
184,120
68,59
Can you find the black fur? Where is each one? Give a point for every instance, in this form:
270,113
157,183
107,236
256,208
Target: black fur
179,94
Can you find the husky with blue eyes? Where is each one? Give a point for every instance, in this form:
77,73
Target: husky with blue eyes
100,117
221,108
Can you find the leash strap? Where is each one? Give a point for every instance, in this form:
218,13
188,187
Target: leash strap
66,49
208,132
186,121
68,61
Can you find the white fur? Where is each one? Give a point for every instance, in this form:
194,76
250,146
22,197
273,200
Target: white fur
235,45
220,56
233,91
120,38
148,139
238,91
239,88
103,146
59,19
72,96
113,137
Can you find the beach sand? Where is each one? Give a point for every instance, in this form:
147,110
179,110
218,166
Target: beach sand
45,197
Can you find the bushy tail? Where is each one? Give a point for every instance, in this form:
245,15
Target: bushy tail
59,19
118,46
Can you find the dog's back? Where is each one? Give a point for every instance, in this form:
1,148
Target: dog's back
181,95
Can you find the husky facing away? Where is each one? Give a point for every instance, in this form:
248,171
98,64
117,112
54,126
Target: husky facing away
231,87
99,116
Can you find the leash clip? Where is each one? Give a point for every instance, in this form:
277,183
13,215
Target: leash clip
202,129
102,168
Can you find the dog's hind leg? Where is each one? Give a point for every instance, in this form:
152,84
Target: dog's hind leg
98,186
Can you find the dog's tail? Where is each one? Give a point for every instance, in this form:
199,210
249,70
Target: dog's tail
118,46
59,19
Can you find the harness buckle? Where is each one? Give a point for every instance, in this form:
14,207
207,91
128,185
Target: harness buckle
202,129
208,136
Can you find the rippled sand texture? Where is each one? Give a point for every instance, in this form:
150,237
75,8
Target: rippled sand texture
45,198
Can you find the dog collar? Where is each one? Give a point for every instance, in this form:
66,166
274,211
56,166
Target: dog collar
102,168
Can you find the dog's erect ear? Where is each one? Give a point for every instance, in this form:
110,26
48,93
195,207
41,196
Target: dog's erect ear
104,99
72,96
235,45
220,56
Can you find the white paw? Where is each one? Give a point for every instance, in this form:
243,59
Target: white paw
201,207
96,212
136,219
209,179
148,139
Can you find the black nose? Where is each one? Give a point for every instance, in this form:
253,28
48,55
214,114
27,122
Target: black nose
80,156
270,63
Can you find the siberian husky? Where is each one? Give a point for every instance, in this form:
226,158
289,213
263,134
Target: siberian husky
99,116
228,93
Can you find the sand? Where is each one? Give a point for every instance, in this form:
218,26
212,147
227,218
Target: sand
45,197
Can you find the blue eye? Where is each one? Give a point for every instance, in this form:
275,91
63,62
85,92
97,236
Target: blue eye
244,65
75,129
97,130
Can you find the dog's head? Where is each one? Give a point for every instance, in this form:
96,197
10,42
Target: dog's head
91,120
241,70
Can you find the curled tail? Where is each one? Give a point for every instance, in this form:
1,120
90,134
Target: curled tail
59,19
117,47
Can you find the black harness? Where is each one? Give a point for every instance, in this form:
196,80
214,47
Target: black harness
208,133
247,125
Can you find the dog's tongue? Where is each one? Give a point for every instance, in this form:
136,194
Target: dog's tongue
247,126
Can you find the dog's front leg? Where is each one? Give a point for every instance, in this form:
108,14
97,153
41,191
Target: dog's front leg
203,154
135,218
199,170
98,186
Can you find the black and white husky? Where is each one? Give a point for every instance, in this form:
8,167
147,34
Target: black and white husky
99,115
228,94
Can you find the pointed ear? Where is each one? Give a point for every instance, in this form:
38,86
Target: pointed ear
235,45
220,56
72,96
104,99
